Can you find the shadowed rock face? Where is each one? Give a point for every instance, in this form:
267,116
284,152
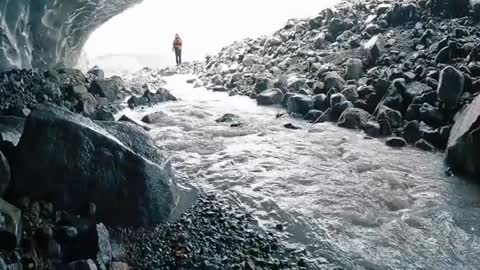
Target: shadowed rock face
50,33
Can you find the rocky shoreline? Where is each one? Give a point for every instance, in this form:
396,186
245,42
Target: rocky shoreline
83,189
80,189
399,71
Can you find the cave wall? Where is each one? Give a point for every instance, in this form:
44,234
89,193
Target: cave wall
50,33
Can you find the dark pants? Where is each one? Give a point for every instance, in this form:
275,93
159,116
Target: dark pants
178,55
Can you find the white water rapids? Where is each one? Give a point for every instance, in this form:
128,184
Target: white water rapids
352,202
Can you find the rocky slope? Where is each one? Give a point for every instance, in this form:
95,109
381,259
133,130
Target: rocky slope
399,70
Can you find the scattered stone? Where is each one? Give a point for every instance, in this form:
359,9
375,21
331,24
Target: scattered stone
153,117
291,126
396,142
106,88
333,79
228,118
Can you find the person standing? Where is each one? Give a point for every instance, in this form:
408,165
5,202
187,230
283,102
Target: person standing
177,47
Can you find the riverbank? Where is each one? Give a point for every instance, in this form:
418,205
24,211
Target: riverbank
398,71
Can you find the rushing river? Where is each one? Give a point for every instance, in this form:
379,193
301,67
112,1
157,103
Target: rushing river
352,202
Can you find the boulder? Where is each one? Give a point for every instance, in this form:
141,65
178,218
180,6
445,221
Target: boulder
354,118
450,86
87,104
262,84
106,88
325,117
97,72
300,104
78,161
393,117
333,79
354,69
424,145
320,102
76,90
10,226
312,115
350,92
411,132
151,98
463,150
270,97
374,48
153,117
335,101
228,118
4,174
396,142
11,128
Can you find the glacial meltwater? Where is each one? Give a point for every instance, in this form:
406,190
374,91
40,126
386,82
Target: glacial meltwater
351,202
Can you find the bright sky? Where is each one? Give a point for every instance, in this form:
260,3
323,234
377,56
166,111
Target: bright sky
204,25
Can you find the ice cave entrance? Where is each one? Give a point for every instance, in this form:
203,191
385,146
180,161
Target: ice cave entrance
142,36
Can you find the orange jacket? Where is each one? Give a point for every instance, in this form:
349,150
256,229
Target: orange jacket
177,43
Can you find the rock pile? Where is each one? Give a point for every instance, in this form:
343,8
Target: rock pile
209,236
391,69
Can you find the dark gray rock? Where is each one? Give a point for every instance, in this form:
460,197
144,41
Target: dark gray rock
270,97
312,115
105,88
354,69
97,72
450,86
10,226
374,48
320,102
396,142
262,84
76,90
4,174
393,117
87,104
463,150
78,161
153,117
333,79
350,93
411,132
300,104
354,118
335,101
424,145
228,118
11,128
325,117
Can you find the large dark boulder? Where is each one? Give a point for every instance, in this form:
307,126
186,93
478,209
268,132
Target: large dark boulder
300,104
354,118
107,88
270,97
75,161
450,86
374,48
463,150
